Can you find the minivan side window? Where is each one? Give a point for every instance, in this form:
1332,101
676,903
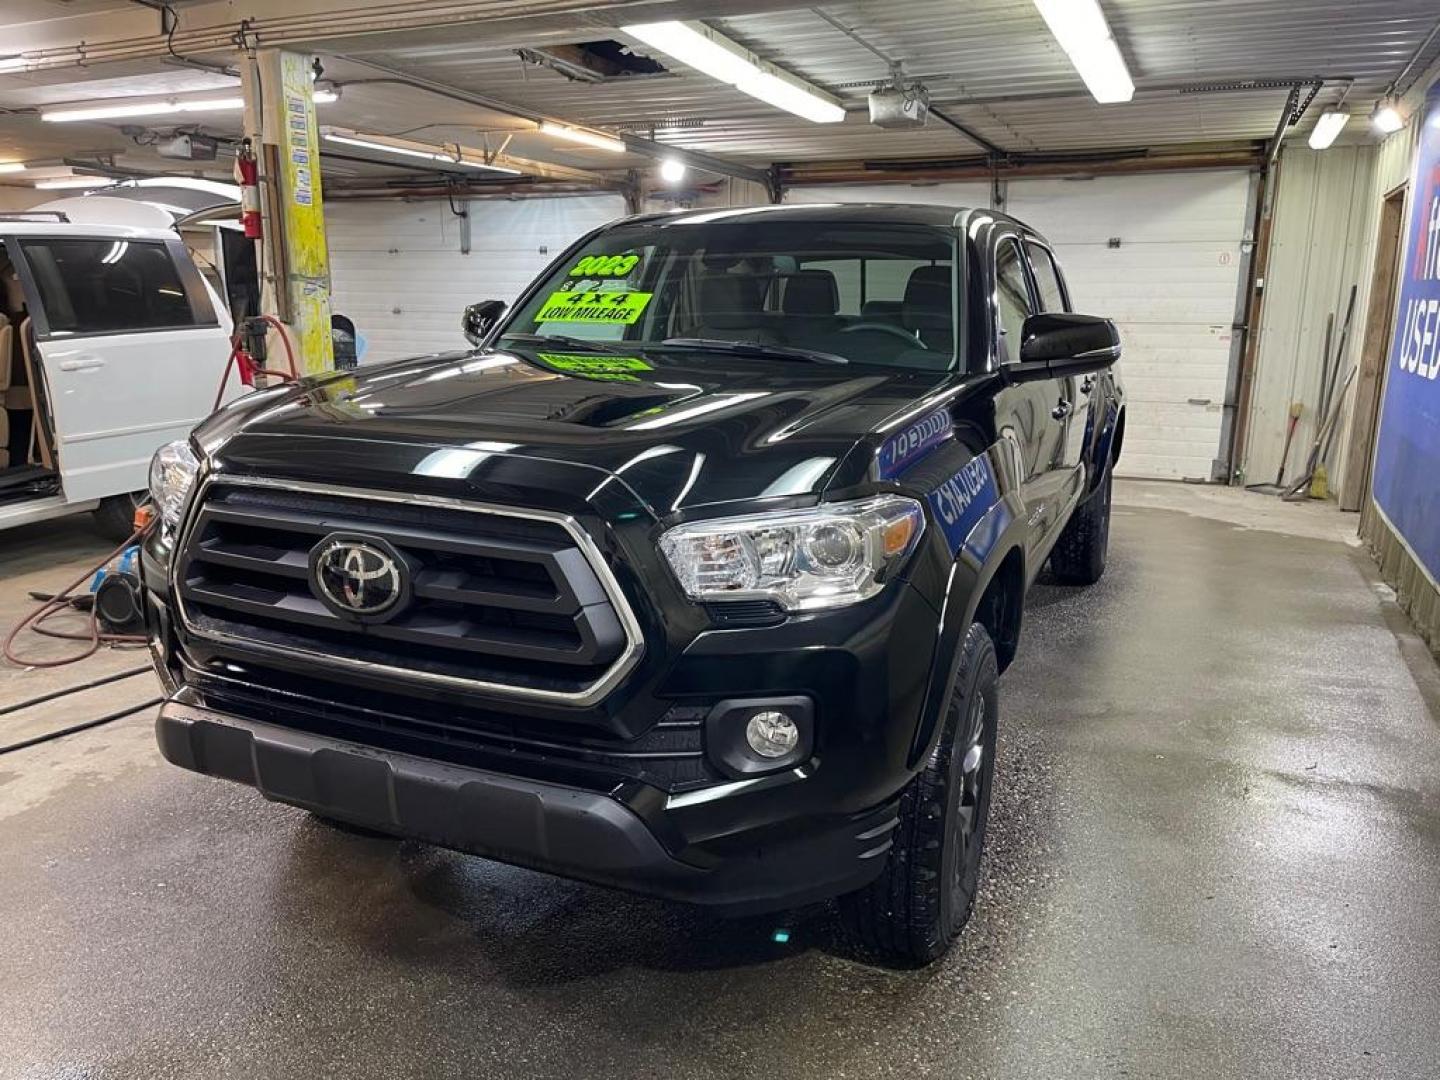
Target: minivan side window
110,286
1047,279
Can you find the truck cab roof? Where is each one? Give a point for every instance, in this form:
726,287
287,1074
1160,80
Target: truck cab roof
928,214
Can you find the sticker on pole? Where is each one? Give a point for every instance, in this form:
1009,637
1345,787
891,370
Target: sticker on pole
617,308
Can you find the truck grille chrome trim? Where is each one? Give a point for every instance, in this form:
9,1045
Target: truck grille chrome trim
614,608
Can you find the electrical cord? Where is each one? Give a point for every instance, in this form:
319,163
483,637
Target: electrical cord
285,340
230,366
85,725
30,703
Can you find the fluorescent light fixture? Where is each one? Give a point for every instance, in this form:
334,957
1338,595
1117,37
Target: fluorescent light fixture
146,108
67,183
229,103
12,63
1080,29
386,145
672,170
1330,124
12,166
1386,118
585,138
696,45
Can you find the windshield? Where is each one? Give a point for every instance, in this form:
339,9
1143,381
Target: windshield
863,293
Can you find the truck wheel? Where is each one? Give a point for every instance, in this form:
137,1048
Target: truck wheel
115,516
910,914
1079,555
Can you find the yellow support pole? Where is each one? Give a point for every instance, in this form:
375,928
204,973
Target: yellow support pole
295,270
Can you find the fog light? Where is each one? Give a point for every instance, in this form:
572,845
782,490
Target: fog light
772,734
747,737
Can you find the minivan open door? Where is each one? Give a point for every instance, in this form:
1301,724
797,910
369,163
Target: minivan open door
131,348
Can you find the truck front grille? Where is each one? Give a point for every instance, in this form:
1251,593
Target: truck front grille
516,602
669,755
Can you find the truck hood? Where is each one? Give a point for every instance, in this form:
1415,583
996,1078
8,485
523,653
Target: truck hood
683,429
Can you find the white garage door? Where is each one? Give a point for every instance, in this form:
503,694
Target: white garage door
1171,283
397,270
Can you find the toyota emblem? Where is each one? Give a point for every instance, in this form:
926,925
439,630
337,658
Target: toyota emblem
361,578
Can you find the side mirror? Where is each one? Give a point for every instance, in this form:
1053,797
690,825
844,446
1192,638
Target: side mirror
480,318
1060,343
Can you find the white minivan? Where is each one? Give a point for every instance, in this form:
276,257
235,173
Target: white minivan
111,344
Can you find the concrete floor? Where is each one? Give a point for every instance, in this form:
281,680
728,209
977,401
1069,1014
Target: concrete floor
1215,852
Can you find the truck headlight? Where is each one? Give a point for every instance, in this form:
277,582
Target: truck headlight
829,556
172,474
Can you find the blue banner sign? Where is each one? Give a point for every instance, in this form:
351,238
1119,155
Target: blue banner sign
1407,451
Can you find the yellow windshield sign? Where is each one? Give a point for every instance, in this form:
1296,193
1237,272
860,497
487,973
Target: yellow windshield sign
605,266
618,308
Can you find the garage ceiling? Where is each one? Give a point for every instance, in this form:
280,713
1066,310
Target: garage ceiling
991,65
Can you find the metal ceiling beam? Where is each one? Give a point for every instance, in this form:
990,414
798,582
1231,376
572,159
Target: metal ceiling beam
969,133
634,143
1104,162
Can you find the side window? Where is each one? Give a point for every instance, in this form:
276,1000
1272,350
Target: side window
110,286
1047,279
1012,295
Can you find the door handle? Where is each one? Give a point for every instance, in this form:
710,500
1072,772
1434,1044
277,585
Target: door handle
1061,409
1088,384
88,363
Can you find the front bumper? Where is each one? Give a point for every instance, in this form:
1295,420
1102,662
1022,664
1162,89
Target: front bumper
627,837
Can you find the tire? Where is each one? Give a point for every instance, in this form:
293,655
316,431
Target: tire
1079,554
115,516
349,829
910,915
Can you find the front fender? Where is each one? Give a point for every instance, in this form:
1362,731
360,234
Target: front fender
990,531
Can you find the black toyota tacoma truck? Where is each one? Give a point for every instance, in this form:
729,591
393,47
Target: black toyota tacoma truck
693,578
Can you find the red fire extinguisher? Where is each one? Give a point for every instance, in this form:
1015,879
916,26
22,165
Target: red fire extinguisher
247,172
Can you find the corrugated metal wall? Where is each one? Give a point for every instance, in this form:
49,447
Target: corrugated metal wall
1327,216
1322,243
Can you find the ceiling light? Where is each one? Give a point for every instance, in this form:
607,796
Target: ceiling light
11,166
672,170
385,145
161,108
699,47
1386,118
586,138
147,108
1327,128
12,63
66,183
1081,30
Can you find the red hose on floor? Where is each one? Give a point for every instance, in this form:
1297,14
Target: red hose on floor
61,603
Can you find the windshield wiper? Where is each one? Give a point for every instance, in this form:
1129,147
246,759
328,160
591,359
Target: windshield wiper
566,341
754,348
